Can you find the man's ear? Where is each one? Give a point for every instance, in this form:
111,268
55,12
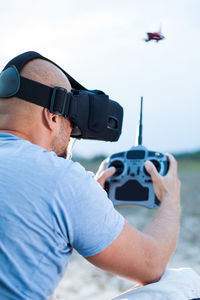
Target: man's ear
50,120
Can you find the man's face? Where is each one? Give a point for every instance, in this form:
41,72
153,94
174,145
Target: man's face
61,141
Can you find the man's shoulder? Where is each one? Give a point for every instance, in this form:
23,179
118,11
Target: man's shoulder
50,162
62,168
21,153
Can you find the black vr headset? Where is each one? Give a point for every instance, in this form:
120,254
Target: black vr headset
92,113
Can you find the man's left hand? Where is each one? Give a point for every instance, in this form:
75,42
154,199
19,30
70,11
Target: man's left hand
103,174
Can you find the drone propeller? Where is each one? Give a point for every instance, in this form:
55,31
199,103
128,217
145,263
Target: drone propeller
160,30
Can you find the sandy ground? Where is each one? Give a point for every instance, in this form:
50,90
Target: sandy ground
84,281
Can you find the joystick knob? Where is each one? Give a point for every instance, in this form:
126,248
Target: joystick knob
156,164
119,166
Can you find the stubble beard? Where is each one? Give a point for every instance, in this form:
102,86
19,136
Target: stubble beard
60,145
63,154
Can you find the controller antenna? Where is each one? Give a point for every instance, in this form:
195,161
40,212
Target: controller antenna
140,123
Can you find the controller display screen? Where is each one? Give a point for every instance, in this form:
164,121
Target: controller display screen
137,154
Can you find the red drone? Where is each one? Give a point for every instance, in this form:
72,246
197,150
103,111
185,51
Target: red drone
156,36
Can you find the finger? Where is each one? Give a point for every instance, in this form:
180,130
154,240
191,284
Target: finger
103,165
173,165
151,169
106,174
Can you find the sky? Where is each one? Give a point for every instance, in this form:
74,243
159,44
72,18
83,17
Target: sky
101,44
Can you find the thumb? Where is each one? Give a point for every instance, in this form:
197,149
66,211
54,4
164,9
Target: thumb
151,169
105,175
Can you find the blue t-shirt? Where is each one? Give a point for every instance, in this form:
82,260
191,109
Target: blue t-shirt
48,206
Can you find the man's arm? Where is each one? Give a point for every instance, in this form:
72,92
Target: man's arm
143,256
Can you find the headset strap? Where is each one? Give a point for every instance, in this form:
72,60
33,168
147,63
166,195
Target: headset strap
56,99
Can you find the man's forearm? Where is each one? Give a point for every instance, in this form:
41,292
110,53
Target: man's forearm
164,230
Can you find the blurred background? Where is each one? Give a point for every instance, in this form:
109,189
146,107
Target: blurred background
101,44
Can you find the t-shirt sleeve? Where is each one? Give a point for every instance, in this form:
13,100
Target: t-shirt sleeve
90,220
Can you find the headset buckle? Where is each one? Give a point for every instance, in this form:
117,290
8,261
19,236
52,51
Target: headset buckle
60,101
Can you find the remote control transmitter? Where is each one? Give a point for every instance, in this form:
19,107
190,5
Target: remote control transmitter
132,184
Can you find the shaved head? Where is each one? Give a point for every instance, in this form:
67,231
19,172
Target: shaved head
24,118
45,72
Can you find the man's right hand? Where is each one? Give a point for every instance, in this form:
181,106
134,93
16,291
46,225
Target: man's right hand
168,186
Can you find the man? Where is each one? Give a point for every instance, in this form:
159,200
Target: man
50,205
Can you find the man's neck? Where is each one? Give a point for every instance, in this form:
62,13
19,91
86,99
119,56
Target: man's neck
16,133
